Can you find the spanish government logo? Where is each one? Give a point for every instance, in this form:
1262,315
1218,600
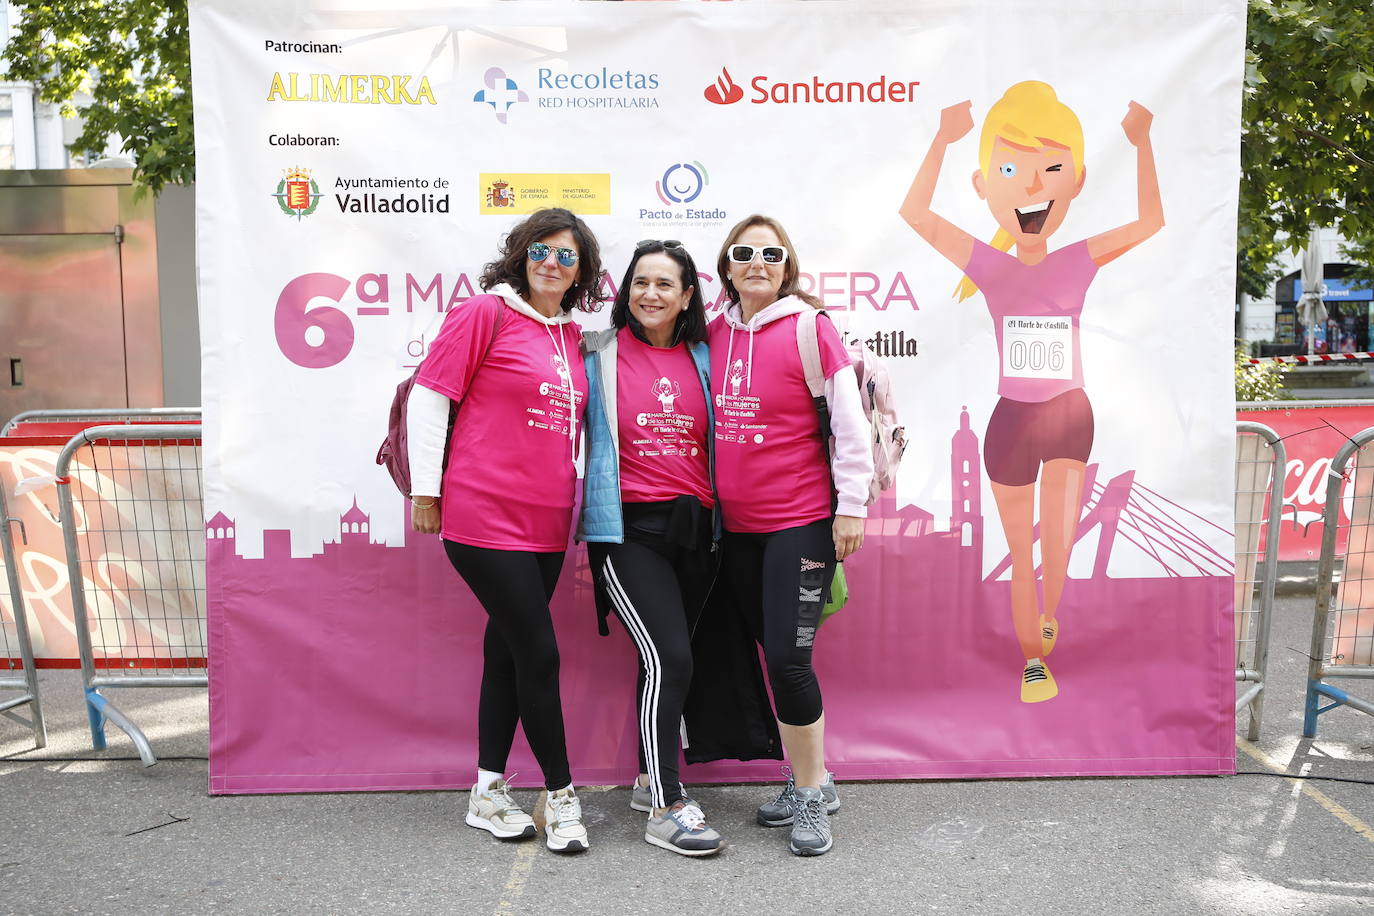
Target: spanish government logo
724,91
501,93
297,194
682,183
500,194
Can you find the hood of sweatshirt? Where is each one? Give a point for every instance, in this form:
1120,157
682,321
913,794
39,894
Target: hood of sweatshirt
513,301
789,305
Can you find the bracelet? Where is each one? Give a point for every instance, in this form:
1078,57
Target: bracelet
433,501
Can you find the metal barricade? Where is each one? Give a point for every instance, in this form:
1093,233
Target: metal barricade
1343,630
16,649
107,415
1260,464
135,541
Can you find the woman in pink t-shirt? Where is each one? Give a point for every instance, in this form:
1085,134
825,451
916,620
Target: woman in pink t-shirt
790,510
647,510
503,501
1041,431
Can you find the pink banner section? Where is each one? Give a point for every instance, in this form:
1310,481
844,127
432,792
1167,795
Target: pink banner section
377,651
1311,431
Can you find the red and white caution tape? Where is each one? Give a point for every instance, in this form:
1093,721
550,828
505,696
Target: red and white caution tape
1315,358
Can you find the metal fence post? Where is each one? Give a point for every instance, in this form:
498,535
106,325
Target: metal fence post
147,525
27,680
1343,622
1260,465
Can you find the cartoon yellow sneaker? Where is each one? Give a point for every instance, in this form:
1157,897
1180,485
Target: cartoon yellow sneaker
1049,633
1037,684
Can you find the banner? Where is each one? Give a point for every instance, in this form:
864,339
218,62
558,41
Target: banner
358,166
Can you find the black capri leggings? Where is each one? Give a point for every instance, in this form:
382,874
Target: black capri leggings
520,656
781,581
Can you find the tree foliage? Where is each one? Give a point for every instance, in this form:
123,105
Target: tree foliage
1307,149
1259,381
133,57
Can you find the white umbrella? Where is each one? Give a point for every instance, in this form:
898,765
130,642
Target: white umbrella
1311,310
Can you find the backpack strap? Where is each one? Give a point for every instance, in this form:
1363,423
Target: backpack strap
810,349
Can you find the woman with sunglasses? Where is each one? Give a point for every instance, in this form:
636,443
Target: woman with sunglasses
647,510
790,512
503,501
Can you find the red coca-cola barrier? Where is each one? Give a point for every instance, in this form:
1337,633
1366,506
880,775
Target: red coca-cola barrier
1311,431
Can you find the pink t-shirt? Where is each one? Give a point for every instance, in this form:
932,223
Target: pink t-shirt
661,412
771,469
1035,311
510,479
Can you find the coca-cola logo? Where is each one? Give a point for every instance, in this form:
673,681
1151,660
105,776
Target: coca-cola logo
724,91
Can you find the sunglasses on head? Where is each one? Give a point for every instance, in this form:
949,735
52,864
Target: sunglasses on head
538,251
772,254
666,243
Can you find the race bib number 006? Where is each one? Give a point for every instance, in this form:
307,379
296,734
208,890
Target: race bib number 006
1037,347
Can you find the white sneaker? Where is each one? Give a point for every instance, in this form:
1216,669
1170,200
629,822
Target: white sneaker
497,813
563,822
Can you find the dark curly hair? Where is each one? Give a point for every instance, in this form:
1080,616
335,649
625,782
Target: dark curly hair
510,264
791,271
691,324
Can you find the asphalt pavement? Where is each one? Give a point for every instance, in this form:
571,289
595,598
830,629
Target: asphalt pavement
102,834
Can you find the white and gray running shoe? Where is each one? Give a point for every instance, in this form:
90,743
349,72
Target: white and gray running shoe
682,829
497,813
563,825
778,812
810,825
642,800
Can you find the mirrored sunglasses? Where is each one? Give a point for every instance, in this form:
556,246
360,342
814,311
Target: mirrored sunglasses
772,254
538,251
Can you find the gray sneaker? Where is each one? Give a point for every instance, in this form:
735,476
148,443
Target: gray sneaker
778,812
682,829
811,826
642,800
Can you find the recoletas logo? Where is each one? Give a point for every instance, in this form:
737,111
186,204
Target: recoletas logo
724,91
501,93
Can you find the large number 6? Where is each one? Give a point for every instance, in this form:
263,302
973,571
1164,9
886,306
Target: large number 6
294,318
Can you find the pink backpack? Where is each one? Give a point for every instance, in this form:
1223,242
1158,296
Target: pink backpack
888,437
394,455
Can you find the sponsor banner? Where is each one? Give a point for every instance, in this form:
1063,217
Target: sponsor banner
1053,469
1312,433
505,195
139,607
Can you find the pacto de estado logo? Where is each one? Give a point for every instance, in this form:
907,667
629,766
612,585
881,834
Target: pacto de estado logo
501,93
815,91
297,193
682,183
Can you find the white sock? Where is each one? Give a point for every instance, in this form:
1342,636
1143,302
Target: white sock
567,788
485,778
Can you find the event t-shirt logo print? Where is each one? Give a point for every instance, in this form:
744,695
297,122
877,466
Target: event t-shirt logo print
667,391
297,194
501,93
724,91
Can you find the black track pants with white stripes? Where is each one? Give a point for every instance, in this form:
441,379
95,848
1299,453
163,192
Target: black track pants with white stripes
656,590
781,581
519,656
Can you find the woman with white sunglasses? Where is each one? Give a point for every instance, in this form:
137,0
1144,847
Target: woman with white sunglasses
792,506
500,493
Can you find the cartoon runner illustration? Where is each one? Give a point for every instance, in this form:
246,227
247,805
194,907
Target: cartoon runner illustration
1031,167
666,390
735,377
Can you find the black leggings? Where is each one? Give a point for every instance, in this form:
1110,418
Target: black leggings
520,656
656,588
781,581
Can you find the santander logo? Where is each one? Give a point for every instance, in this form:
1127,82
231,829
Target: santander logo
724,91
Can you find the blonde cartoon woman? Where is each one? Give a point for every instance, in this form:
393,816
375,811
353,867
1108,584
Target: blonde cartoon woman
1031,168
